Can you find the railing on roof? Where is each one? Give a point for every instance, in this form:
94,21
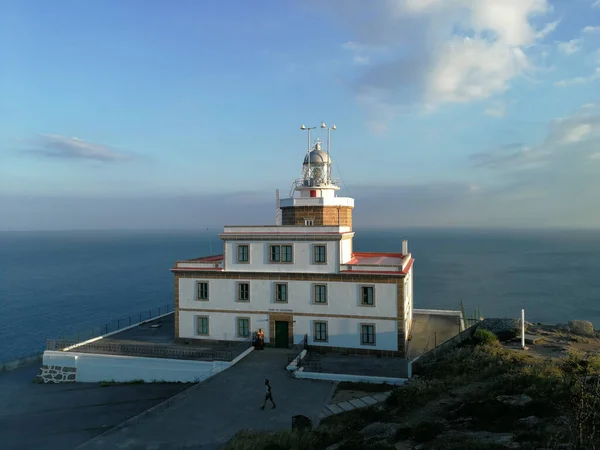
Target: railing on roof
109,327
301,182
199,264
371,267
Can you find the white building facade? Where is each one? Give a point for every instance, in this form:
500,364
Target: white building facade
300,278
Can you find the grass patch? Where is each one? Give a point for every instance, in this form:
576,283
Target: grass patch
365,387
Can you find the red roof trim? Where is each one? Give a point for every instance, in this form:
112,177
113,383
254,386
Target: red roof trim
196,269
279,233
214,258
408,265
374,272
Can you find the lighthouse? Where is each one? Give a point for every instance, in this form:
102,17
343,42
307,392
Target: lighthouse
313,199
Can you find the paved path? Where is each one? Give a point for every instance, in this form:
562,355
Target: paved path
362,402
430,329
210,415
61,416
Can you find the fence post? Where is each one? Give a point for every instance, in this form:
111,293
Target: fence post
159,310
140,318
118,324
106,329
129,320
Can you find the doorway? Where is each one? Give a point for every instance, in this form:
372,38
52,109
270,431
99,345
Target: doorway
281,334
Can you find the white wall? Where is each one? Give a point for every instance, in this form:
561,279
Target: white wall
345,250
302,257
408,301
222,326
346,332
97,367
343,297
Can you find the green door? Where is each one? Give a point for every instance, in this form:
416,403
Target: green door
281,334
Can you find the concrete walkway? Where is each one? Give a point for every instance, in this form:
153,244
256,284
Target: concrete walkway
211,414
62,416
363,402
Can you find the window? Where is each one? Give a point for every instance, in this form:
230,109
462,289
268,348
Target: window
367,295
243,292
202,290
319,254
280,253
320,293
202,325
243,253
243,327
367,334
320,332
308,222
281,294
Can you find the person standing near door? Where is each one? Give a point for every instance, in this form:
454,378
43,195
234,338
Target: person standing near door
268,395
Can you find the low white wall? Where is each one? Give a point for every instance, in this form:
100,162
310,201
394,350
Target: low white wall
438,312
294,364
300,373
93,368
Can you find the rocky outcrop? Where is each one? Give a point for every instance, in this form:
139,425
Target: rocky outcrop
380,430
505,329
57,374
514,400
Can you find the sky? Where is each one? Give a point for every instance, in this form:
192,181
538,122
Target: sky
187,114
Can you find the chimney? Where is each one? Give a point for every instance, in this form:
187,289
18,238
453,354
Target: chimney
405,247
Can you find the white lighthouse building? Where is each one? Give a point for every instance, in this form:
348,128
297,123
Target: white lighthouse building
300,277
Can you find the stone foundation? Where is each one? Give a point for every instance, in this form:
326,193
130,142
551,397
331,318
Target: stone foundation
57,374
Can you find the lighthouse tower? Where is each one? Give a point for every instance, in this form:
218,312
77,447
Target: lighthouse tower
313,200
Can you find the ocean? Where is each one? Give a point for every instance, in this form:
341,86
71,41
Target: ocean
54,284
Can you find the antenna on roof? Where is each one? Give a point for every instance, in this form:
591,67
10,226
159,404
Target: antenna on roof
277,209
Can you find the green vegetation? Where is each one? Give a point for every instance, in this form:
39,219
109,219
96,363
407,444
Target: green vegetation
479,396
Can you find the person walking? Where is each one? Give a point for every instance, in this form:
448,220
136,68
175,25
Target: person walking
268,395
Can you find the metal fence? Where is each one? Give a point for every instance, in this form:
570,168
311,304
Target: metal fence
109,327
145,350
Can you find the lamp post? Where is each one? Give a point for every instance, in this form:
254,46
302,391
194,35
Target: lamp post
308,150
333,127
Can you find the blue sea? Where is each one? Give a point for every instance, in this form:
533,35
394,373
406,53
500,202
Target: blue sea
54,284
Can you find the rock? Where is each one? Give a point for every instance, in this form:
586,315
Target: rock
514,400
334,446
301,422
582,328
403,445
482,438
505,329
528,422
379,429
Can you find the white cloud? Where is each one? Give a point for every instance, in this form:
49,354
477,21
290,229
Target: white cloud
440,51
595,156
72,147
579,80
596,4
579,133
570,47
590,29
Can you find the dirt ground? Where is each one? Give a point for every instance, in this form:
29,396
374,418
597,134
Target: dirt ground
552,342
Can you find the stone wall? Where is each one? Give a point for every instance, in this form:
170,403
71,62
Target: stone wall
321,215
57,374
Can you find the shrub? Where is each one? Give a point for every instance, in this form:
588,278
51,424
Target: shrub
482,336
415,393
428,430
